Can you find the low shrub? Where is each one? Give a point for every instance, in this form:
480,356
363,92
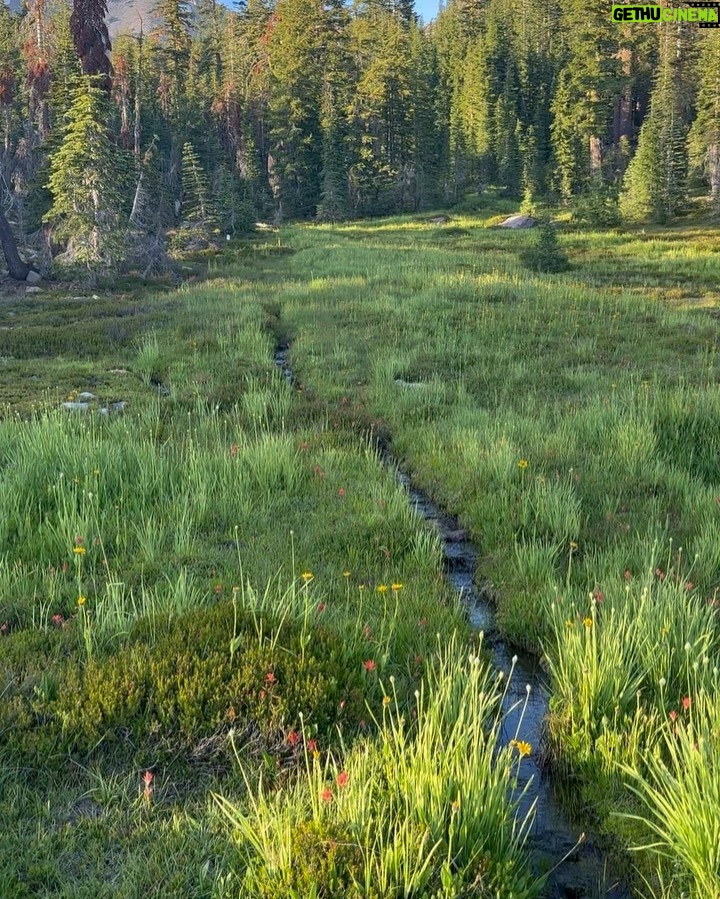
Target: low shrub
189,685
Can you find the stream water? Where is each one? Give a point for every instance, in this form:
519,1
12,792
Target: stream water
579,869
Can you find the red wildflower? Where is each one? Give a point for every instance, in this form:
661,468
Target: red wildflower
78,540
312,745
660,574
686,703
321,607
343,779
326,795
598,596
57,619
270,677
147,778
369,665
293,738
673,715
341,492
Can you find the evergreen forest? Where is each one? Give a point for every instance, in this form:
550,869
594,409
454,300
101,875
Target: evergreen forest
297,109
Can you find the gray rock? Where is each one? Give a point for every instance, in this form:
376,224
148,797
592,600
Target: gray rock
85,396
33,277
119,406
33,290
519,221
76,407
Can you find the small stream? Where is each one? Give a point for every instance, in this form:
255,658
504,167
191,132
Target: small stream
584,874
581,870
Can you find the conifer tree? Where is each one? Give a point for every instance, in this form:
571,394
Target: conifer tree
196,202
654,184
86,182
172,48
10,67
66,70
92,41
704,138
296,53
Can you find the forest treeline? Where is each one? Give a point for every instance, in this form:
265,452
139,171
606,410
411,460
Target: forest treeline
277,109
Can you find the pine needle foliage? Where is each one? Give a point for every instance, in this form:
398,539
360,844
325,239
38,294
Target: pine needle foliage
86,181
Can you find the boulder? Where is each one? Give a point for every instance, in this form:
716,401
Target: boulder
33,277
519,221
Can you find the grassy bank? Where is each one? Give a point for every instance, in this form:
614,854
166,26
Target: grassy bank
208,583
573,423
219,586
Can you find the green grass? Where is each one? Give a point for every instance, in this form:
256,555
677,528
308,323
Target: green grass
571,421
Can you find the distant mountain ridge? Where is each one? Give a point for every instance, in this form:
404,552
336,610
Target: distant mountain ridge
123,15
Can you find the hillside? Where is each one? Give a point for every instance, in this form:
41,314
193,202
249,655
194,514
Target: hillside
123,15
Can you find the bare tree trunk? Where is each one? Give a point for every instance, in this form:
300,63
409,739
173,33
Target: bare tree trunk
138,96
17,268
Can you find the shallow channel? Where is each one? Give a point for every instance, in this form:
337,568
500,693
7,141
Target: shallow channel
579,869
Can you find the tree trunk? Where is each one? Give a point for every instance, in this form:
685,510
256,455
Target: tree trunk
17,268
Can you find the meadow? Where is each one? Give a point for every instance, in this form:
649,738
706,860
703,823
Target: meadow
230,664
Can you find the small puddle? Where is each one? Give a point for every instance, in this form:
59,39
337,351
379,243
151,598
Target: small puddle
581,870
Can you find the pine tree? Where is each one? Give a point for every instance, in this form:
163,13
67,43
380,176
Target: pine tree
654,184
196,202
430,158
296,52
704,138
10,66
86,181
66,70
590,82
92,41
172,47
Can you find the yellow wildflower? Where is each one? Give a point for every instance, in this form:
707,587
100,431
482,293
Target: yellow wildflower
81,601
587,622
522,463
79,550
307,576
396,587
346,574
382,588
523,747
